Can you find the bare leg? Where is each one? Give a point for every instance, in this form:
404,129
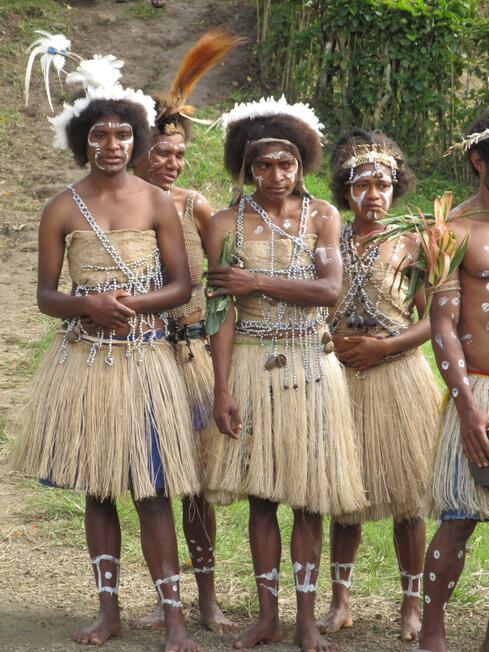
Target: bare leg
199,525
159,545
307,536
103,538
444,563
265,550
409,543
344,542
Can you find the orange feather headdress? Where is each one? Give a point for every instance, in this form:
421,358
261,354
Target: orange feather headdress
173,113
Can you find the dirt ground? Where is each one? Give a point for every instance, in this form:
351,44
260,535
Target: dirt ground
46,587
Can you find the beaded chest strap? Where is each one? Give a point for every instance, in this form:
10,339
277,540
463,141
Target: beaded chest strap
141,276
284,322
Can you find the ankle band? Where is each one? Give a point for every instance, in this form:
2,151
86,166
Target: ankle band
107,575
307,586
337,573
174,581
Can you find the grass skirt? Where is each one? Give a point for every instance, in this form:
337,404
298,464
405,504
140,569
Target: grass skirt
395,408
89,428
296,446
451,487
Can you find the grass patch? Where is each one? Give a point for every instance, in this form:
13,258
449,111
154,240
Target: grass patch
143,10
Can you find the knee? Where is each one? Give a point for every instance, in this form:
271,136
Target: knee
262,508
151,508
458,531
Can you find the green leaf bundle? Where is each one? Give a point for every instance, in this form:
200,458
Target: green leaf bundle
217,307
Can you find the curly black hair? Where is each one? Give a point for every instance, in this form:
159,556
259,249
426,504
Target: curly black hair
79,127
482,148
342,151
242,133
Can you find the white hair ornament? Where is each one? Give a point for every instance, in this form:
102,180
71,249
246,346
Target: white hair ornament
468,141
270,106
98,76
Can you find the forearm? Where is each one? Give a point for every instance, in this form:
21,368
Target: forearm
222,352
450,359
319,292
61,305
171,295
411,338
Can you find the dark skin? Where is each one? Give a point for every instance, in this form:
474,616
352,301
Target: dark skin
369,197
463,315
273,193
118,201
161,166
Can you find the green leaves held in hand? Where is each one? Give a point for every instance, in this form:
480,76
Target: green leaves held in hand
217,307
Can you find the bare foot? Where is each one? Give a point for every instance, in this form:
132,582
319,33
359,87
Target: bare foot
337,618
154,620
308,638
263,631
100,631
435,643
410,620
213,618
178,640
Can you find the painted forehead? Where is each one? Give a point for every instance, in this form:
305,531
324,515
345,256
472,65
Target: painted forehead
110,124
168,145
276,154
370,171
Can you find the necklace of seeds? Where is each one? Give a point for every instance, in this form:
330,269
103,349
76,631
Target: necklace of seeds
142,327
290,322
359,270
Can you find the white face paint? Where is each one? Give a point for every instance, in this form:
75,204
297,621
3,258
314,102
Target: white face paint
275,155
258,179
292,175
439,341
125,143
358,200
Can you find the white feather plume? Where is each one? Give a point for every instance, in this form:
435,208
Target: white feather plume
270,106
468,141
53,49
98,72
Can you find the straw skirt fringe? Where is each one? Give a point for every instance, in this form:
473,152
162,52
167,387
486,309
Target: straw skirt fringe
88,428
451,487
395,408
296,446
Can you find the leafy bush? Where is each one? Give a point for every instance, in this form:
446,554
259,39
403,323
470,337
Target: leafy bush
416,69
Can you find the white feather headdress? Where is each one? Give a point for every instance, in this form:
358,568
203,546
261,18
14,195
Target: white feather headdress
99,78
270,106
468,141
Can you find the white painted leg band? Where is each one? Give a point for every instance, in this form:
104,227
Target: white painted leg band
272,576
411,579
173,580
205,569
101,588
337,573
307,586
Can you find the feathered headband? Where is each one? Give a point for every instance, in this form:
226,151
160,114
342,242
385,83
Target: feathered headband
366,153
172,106
468,141
98,76
268,107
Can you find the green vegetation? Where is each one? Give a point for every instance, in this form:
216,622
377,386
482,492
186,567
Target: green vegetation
416,69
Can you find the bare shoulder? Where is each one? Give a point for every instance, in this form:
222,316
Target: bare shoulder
59,208
224,220
202,211
323,212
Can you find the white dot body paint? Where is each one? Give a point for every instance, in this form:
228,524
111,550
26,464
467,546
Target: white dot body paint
209,561
192,541
487,287
485,307
427,599
258,230
432,577
445,605
460,554
445,364
466,338
486,248
314,212
451,585
436,554
466,381
439,341
287,224
461,363
211,549
484,274
442,301
108,575
199,201
455,301
455,392
199,548
453,335
200,559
